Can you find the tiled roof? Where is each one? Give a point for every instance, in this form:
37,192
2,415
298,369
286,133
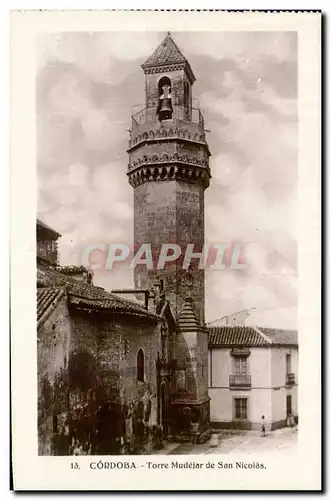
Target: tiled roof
187,319
280,337
42,225
89,296
72,269
47,300
235,336
166,53
249,336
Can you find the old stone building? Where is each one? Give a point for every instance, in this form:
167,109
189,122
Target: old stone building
97,353
169,172
114,375
47,244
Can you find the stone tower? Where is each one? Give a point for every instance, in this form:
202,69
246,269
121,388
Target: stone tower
169,171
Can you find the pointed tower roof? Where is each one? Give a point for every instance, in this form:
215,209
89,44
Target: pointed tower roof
188,319
168,54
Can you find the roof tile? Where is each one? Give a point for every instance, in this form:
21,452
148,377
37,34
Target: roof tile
72,269
90,296
234,336
42,225
188,319
280,337
47,300
166,53
249,336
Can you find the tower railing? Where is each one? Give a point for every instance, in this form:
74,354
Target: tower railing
240,380
183,113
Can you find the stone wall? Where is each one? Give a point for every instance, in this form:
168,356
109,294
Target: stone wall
190,230
48,250
53,383
191,353
112,412
171,212
89,398
140,397
202,355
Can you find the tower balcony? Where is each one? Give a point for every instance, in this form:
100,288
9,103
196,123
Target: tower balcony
168,149
145,122
183,113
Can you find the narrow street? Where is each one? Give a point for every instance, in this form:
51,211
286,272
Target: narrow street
237,441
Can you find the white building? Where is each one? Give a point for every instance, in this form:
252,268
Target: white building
252,372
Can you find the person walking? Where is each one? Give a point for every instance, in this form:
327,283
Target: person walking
262,426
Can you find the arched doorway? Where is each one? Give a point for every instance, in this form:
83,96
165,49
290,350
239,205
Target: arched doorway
164,414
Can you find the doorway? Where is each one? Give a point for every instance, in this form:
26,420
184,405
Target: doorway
164,409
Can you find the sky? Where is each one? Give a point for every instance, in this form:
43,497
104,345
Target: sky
246,84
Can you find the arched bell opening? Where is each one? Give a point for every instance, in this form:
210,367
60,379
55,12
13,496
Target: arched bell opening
164,109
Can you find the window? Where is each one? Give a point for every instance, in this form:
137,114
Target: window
288,405
187,100
164,82
140,366
240,408
55,424
288,363
240,365
186,94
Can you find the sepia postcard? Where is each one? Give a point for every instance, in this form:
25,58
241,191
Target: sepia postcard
166,250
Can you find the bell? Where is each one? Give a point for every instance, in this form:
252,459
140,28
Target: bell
165,112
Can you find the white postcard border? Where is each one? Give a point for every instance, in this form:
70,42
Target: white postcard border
300,470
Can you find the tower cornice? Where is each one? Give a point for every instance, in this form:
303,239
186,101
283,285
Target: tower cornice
177,171
141,140
165,68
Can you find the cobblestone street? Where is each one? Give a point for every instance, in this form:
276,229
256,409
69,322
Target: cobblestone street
238,441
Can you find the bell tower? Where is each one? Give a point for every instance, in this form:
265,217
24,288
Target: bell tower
169,171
